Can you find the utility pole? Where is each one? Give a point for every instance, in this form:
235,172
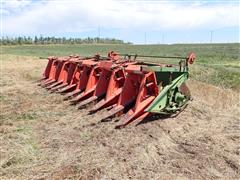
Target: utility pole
162,38
211,37
145,38
99,33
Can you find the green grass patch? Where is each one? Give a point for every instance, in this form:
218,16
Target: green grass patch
218,64
27,116
205,52
226,77
23,129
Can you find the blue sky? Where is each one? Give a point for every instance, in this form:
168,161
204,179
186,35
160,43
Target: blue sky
137,21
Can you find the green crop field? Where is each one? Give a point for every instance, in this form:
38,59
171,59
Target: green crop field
217,64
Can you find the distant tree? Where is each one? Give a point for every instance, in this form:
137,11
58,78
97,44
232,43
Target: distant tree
60,40
35,40
29,40
19,40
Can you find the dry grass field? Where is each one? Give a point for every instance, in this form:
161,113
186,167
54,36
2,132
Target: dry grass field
43,137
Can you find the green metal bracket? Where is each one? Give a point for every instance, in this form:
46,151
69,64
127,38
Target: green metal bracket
170,98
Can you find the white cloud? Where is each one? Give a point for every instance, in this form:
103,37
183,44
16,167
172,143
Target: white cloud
44,17
14,6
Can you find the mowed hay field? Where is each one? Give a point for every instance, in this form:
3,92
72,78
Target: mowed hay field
43,137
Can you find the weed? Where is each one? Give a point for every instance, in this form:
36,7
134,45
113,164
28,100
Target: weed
27,116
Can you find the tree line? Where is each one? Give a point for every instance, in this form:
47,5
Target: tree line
23,40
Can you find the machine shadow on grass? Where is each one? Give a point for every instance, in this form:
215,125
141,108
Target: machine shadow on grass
163,117
150,119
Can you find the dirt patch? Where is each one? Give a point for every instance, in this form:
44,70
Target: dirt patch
43,137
